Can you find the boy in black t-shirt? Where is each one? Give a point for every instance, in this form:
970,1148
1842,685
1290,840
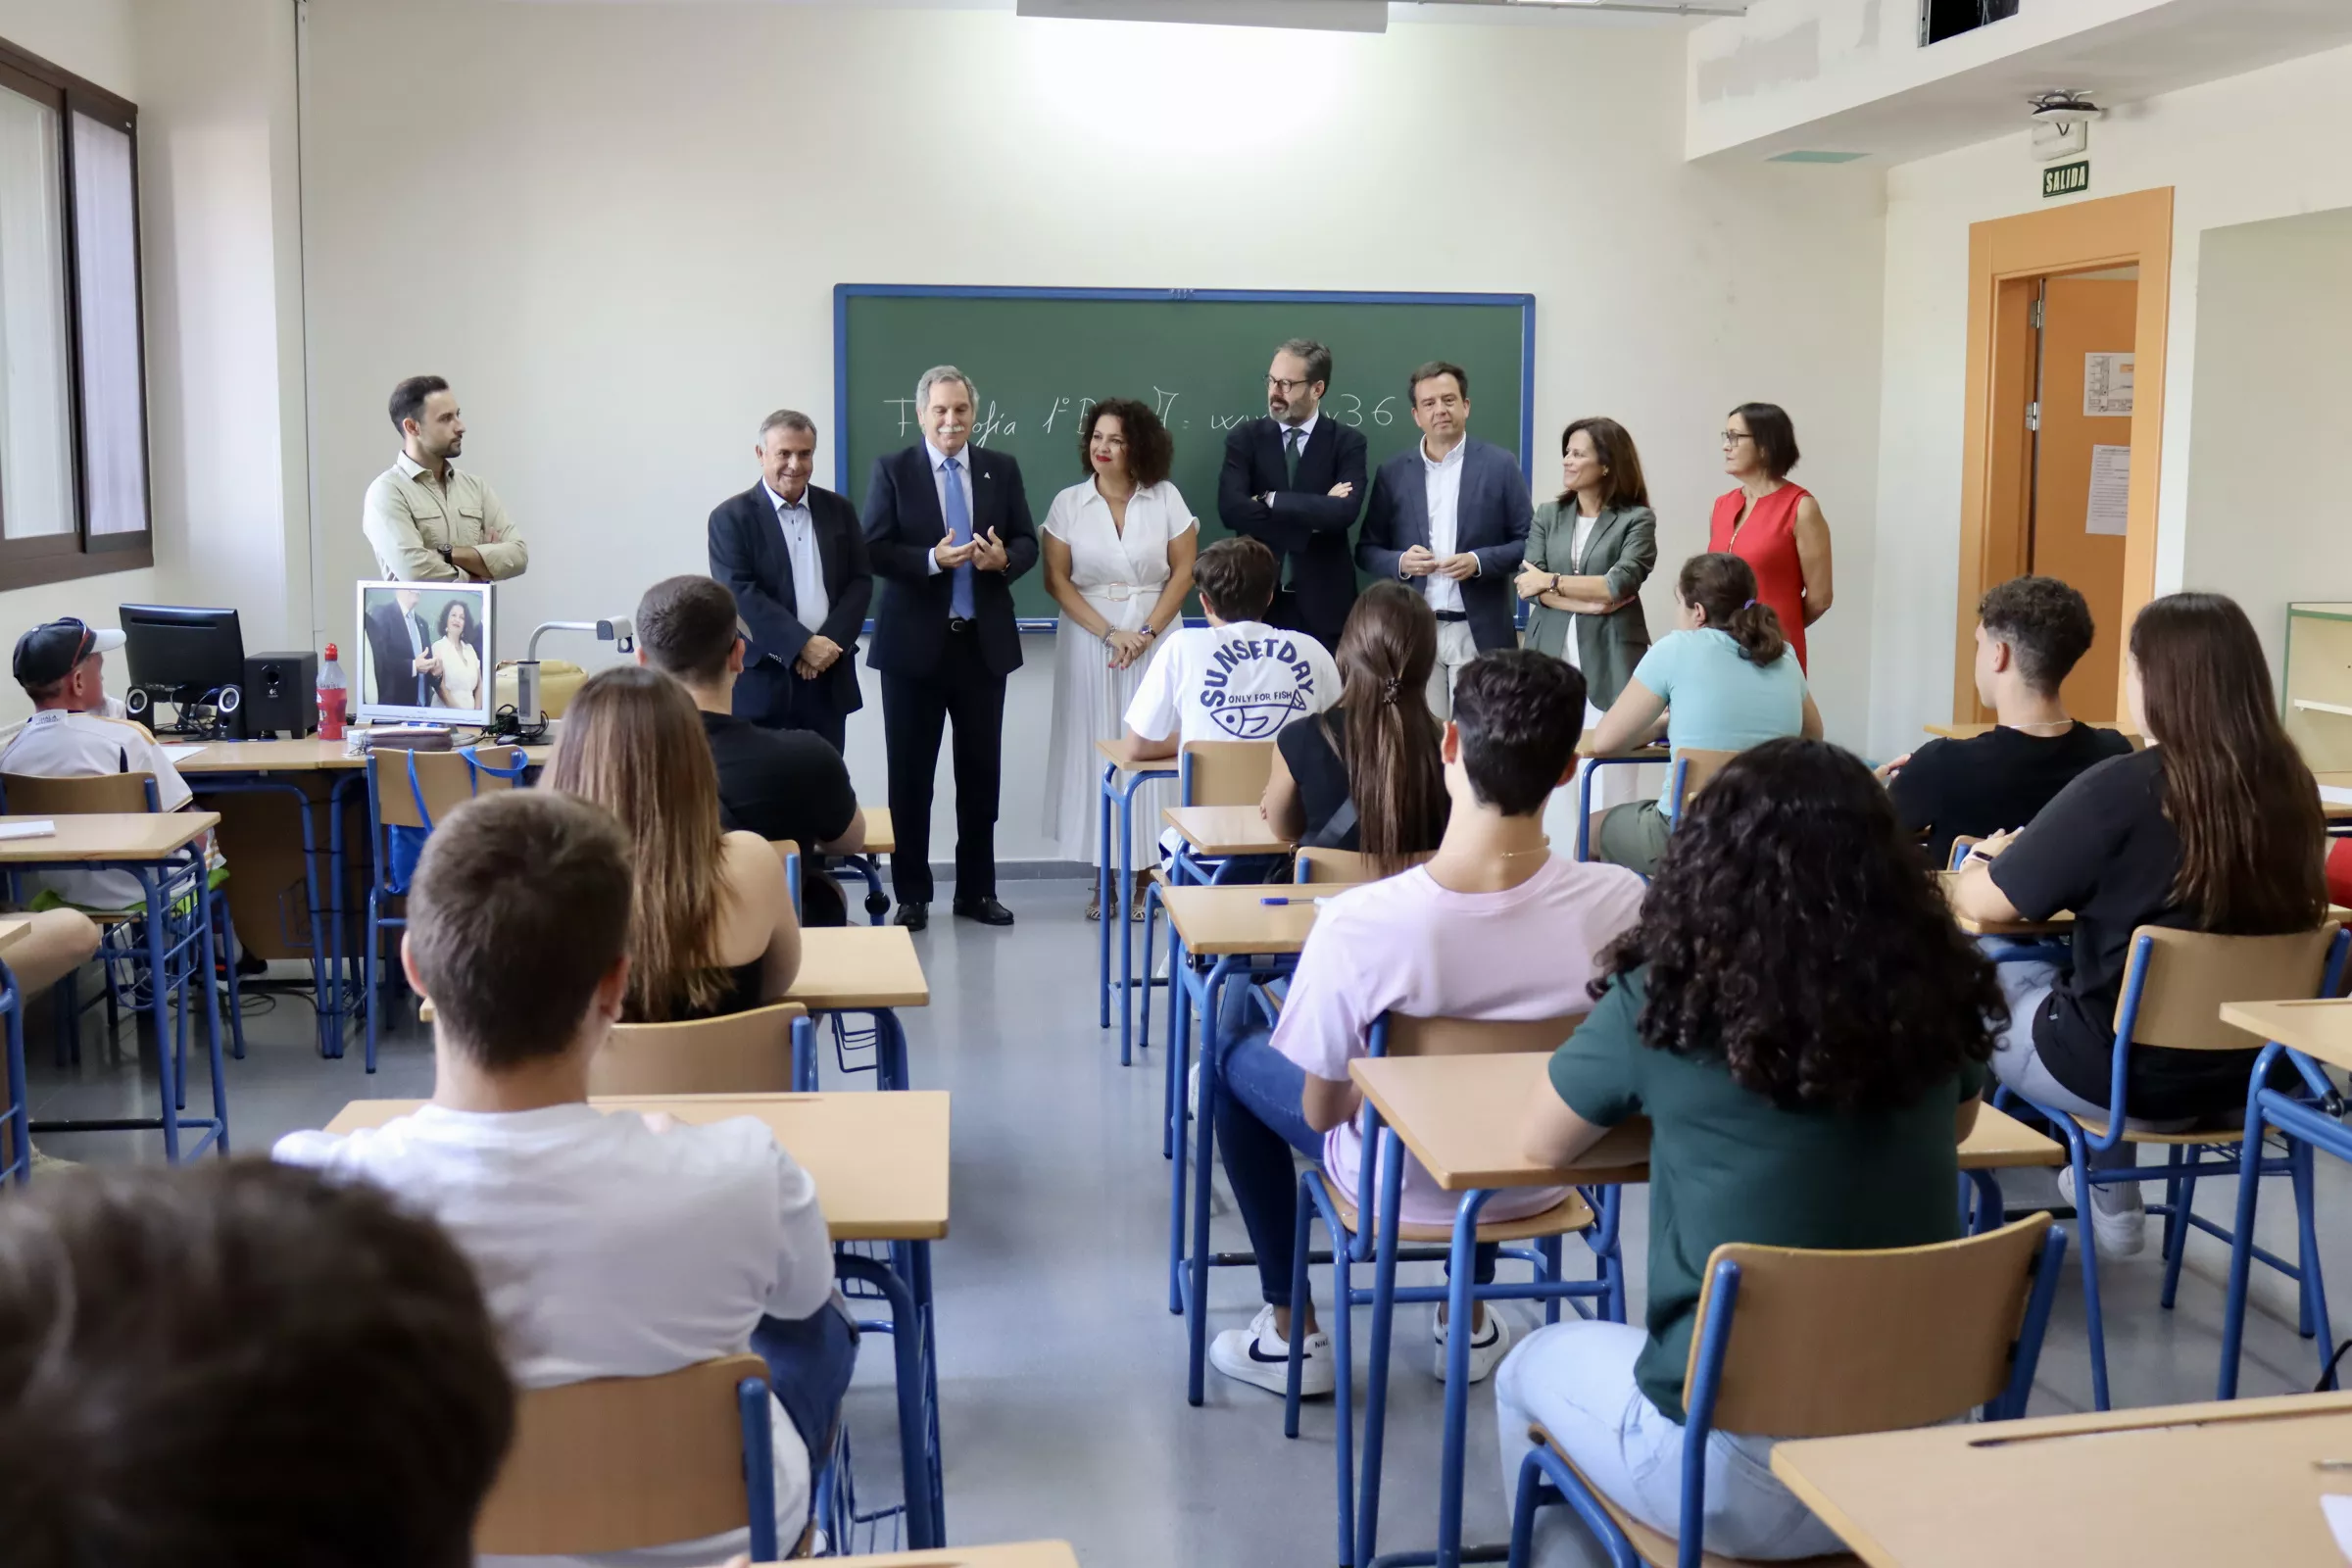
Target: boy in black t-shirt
780,784
2030,633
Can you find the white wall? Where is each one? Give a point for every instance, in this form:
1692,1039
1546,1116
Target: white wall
2266,466
2258,146
616,228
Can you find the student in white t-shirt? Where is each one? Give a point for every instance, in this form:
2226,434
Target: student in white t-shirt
1235,678
62,666
1494,926
609,1246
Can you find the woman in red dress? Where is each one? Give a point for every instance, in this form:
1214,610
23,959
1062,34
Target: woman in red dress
1775,527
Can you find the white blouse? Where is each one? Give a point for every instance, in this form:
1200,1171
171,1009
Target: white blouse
1120,574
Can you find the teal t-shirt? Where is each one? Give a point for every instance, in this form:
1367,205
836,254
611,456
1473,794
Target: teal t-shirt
1716,699
1729,1165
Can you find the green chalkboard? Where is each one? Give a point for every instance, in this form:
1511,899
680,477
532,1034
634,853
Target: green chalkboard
1039,357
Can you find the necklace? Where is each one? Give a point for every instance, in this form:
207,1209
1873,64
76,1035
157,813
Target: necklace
2046,723
1543,848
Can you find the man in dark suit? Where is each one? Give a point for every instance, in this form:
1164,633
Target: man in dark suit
795,558
1295,481
399,647
949,529
1450,514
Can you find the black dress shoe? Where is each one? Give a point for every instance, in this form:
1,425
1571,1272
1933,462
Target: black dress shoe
988,912
913,916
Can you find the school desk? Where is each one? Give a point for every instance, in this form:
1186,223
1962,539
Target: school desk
1590,762
2237,1483
880,1163
2056,925
1027,1554
1216,845
2308,1031
871,969
1123,776
1460,1116
881,838
1237,930
159,848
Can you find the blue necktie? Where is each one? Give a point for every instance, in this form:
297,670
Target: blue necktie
959,531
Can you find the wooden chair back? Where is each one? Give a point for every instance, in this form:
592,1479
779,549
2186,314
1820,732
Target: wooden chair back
1697,769
89,794
1340,865
619,1464
1477,1036
740,1053
2191,974
1225,772
445,781
1828,1343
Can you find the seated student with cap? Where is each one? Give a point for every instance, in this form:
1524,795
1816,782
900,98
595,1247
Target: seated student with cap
1807,1030
1235,678
716,932
1725,678
1494,926
62,667
611,1246
240,1362
1366,774
2030,633
775,783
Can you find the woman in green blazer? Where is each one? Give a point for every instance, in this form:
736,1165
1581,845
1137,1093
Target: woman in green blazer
1588,554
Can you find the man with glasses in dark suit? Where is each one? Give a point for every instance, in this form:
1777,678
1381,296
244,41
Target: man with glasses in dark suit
1294,482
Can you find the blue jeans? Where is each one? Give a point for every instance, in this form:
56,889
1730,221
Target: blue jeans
1260,1120
1575,1381
808,1365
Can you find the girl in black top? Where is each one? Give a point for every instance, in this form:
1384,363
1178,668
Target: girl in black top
2215,827
1377,747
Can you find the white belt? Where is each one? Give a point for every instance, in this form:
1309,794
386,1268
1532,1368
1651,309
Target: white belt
1115,592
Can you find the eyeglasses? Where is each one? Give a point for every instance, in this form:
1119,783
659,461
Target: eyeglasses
1732,438
1280,386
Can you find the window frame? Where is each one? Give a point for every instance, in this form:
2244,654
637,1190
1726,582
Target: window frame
76,551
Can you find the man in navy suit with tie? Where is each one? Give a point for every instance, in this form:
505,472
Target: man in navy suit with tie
1293,482
796,561
1450,516
949,529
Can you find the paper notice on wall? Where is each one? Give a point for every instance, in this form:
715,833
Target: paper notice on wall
2110,510
2106,385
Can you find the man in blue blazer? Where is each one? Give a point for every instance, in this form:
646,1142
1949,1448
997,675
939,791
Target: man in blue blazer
1295,481
949,529
1450,514
795,558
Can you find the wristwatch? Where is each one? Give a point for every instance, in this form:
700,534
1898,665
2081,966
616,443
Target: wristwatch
1555,582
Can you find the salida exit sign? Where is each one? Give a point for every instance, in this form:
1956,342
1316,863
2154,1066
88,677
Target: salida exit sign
2065,179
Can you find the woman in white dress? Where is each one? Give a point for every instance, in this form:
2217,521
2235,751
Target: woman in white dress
460,683
1119,549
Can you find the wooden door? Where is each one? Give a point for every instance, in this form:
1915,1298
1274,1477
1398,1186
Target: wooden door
2084,408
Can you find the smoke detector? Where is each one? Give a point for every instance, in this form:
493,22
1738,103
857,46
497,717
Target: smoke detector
2062,123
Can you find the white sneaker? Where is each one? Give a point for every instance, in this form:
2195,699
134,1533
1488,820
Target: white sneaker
2119,1232
1257,1354
1487,1348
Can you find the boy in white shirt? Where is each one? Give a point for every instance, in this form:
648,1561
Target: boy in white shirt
1237,679
73,733
610,1246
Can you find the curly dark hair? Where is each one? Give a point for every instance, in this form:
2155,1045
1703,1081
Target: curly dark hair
1150,451
1793,928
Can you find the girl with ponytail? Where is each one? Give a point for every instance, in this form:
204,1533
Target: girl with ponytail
1366,774
1725,680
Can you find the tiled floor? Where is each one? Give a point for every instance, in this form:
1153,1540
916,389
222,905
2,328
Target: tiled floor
1062,1372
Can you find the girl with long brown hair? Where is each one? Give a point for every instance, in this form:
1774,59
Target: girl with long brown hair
714,931
1366,774
2216,826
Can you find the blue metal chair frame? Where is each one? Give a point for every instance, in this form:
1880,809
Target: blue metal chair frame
1110,791
330,1036
17,1115
1545,1478
1583,792
752,1398
379,886
904,1282
2180,1174
1184,869
888,1036
1383,1252
2306,1125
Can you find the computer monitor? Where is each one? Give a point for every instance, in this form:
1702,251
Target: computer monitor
428,652
177,654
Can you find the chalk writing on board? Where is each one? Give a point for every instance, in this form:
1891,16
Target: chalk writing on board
1344,407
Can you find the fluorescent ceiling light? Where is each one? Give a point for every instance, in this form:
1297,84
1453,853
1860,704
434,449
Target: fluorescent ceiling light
1323,16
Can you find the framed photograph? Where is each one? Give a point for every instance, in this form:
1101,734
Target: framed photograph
428,652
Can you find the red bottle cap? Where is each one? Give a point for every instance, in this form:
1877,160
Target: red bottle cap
331,652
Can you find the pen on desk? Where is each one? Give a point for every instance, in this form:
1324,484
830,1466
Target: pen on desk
2331,1465
1293,901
